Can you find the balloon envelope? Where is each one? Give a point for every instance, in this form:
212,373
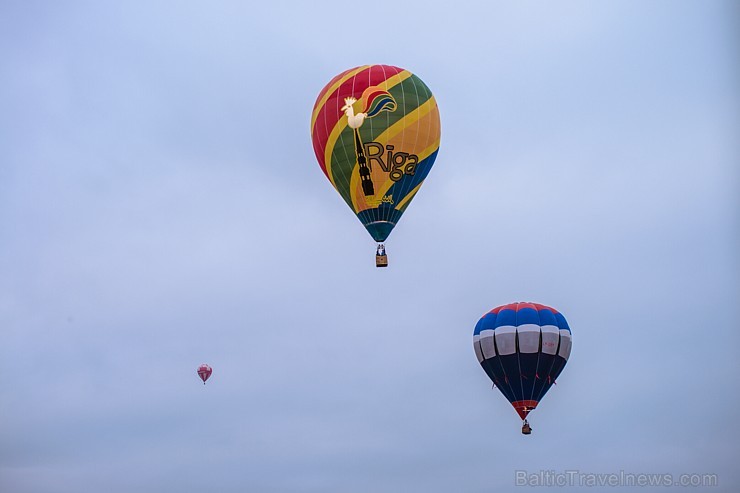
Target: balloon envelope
204,372
522,347
376,132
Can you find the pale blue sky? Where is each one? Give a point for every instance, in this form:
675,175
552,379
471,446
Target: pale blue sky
161,207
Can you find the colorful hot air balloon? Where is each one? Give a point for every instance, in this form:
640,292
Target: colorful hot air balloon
522,347
204,372
376,132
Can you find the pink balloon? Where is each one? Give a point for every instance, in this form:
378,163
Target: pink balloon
204,372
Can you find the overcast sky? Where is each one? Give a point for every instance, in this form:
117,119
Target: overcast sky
161,207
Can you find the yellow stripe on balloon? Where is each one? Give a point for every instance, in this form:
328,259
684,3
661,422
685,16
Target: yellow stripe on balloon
409,196
428,110
426,153
420,116
408,120
362,203
320,104
342,123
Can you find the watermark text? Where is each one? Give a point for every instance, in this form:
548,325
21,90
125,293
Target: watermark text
574,478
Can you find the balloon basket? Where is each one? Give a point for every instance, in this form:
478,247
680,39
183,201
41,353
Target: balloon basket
526,429
381,259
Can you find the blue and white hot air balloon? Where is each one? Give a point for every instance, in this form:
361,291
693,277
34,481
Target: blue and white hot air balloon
523,347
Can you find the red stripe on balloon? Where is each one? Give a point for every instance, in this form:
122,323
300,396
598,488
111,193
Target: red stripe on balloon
331,112
521,306
524,407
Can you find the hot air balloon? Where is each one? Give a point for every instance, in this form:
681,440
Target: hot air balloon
204,372
376,132
522,347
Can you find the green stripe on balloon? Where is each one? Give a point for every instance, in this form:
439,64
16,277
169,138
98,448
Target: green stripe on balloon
409,94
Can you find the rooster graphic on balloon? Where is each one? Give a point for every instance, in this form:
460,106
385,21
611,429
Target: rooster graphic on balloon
375,100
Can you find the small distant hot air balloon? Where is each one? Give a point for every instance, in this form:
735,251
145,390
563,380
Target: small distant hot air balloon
204,372
376,132
522,347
